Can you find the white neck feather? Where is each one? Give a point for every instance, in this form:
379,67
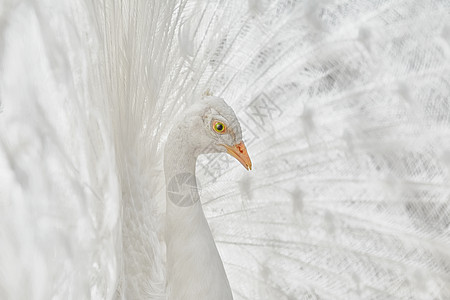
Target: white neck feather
194,267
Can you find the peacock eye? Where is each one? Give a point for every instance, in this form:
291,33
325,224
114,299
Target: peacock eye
219,127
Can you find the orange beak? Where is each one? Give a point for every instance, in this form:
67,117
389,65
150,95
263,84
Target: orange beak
239,152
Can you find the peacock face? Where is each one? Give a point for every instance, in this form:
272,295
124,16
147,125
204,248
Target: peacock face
222,131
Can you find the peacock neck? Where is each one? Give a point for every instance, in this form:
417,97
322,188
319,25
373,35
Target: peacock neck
179,168
194,267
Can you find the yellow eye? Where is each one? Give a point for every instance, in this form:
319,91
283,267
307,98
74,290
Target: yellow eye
219,127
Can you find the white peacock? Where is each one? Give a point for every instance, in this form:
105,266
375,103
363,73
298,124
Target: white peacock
194,268
342,104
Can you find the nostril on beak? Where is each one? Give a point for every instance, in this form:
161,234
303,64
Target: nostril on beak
240,147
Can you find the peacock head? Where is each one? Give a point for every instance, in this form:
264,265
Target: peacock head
218,130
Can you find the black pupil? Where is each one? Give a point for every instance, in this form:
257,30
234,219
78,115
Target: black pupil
219,126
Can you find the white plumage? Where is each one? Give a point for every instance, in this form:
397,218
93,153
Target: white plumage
194,269
344,108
